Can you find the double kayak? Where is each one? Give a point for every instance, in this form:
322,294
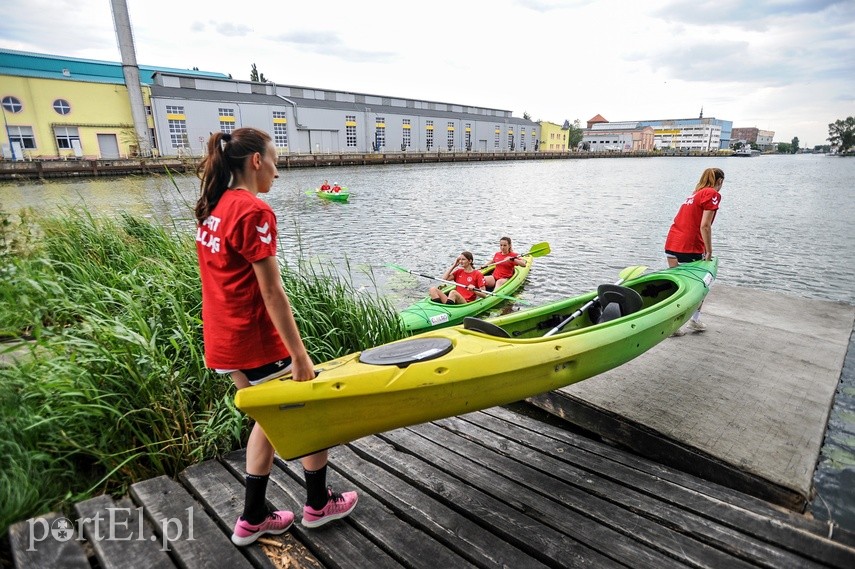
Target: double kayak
428,315
479,364
332,196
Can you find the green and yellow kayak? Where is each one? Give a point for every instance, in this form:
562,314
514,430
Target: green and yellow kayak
341,196
480,364
428,315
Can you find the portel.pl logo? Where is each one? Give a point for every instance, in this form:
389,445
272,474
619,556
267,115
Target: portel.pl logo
119,524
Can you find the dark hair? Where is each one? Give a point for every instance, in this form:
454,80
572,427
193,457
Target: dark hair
468,255
226,154
508,239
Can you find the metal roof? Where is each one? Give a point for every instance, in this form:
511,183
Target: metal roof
44,66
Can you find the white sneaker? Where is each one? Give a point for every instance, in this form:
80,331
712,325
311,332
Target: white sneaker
678,332
697,325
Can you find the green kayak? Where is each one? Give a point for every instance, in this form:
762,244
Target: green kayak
332,196
428,315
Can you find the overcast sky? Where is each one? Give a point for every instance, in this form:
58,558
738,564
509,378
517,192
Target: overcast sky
784,65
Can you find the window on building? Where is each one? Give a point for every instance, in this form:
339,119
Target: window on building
350,130
468,134
22,135
174,110
497,139
406,134
61,106
12,104
178,133
429,134
510,140
522,138
450,136
65,135
379,133
227,120
280,129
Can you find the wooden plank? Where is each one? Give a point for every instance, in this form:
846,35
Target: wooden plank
551,509
410,547
119,535
338,545
222,495
652,521
181,522
669,485
457,532
540,541
39,542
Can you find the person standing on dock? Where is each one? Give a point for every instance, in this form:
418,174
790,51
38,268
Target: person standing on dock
690,236
248,326
505,260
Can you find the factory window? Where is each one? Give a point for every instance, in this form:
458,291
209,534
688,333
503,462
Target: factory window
65,135
12,104
61,106
22,135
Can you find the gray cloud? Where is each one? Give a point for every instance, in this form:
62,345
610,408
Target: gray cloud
231,30
751,15
329,44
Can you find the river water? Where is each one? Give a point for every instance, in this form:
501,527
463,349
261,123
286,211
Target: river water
785,225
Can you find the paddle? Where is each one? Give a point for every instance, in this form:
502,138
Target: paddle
506,297
625,275
537,250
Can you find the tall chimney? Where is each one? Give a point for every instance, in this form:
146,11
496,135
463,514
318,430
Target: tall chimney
131,71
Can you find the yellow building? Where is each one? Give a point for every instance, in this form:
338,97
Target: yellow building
553,138
61,108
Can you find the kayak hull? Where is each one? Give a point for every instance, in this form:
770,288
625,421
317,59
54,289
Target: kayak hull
350,398
341,196
428,315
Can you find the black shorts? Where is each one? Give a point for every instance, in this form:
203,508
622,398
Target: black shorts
266,372
684,257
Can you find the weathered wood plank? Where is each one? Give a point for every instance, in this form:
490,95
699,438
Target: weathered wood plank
34,546
659,525
194,539
338,545
543,543
548,510
222,495
120,535
794,538
465,537
395,536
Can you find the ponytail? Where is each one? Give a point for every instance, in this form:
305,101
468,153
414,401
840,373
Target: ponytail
709,178
226,155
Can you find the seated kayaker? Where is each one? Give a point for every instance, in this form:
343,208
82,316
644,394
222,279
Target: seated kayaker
336,188
470,282
505,260
325,187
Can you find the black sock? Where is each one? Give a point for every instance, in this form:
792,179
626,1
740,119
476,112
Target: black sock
255,506
316,487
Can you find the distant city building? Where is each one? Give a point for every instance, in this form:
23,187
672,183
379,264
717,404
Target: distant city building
63,107
762,138
604,136
700,134
60,107
553,137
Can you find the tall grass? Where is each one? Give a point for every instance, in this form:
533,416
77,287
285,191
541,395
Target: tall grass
112,386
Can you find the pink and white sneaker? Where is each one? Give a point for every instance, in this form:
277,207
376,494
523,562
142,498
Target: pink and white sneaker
276,523
337,507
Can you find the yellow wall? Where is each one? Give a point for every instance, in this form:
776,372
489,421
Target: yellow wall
552,138
96,108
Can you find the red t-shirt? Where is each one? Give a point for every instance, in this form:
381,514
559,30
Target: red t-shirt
685,233
464,279
503,270
237,329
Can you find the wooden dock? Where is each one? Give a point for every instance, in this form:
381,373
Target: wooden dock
497,488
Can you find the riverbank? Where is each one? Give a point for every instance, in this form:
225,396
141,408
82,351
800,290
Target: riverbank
42,169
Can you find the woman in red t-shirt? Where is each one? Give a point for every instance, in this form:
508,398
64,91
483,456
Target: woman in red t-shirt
469,281
690,236
247,323
505,260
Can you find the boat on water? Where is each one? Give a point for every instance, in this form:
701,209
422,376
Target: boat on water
479,364
746,151
341,196
428,315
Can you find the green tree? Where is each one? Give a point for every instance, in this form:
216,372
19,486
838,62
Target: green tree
574,133
784,147
254,75
794,145
841,133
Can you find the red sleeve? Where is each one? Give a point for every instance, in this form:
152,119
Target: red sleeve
255,236
710,200
479,280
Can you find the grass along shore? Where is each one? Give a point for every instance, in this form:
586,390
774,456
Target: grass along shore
112,386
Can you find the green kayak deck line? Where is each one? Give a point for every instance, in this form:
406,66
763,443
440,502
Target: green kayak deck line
428,315
480,364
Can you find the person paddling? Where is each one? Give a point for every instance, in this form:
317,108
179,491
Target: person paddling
469,281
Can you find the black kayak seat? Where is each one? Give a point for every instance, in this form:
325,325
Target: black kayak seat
617,301
406,352
478,325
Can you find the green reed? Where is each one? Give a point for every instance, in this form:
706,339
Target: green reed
110,386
